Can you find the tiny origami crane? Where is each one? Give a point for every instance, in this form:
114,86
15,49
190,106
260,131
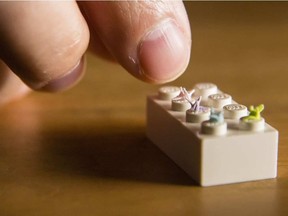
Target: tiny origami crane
195,106
187,95
184,95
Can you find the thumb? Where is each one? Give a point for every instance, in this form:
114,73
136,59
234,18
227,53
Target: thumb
151,39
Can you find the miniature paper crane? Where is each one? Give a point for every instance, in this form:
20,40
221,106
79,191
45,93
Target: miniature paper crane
187,95
195,106
184,95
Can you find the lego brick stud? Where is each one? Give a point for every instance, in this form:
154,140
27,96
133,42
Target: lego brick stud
180,105
197,116
214,128
235,111
181,102
219,100
168,92
205,89
254,121
215,125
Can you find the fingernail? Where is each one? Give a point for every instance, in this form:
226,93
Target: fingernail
67,80
163,53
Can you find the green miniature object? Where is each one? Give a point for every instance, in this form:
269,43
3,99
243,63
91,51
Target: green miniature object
254,113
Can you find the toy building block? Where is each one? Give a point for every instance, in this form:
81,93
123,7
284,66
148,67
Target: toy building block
215,140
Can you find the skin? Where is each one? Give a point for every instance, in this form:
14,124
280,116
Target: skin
150,39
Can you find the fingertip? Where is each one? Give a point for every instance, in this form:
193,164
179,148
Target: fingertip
54,36
66,81
163,53
150,39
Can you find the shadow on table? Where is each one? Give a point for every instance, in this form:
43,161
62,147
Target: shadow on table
124,154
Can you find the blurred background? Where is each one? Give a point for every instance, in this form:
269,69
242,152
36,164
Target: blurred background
84,151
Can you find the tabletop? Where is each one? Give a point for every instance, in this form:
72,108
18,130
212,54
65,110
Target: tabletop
84,151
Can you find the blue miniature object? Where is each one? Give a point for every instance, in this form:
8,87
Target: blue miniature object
216,117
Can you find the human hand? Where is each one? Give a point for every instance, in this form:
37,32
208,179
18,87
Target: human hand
43,43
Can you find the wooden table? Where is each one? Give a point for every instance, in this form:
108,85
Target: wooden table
84,152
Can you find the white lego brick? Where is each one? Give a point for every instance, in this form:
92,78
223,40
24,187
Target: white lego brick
237,156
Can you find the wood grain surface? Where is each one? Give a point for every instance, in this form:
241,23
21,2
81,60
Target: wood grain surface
84,151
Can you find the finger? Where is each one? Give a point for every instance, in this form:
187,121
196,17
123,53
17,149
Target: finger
151,39
43,42
11,87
